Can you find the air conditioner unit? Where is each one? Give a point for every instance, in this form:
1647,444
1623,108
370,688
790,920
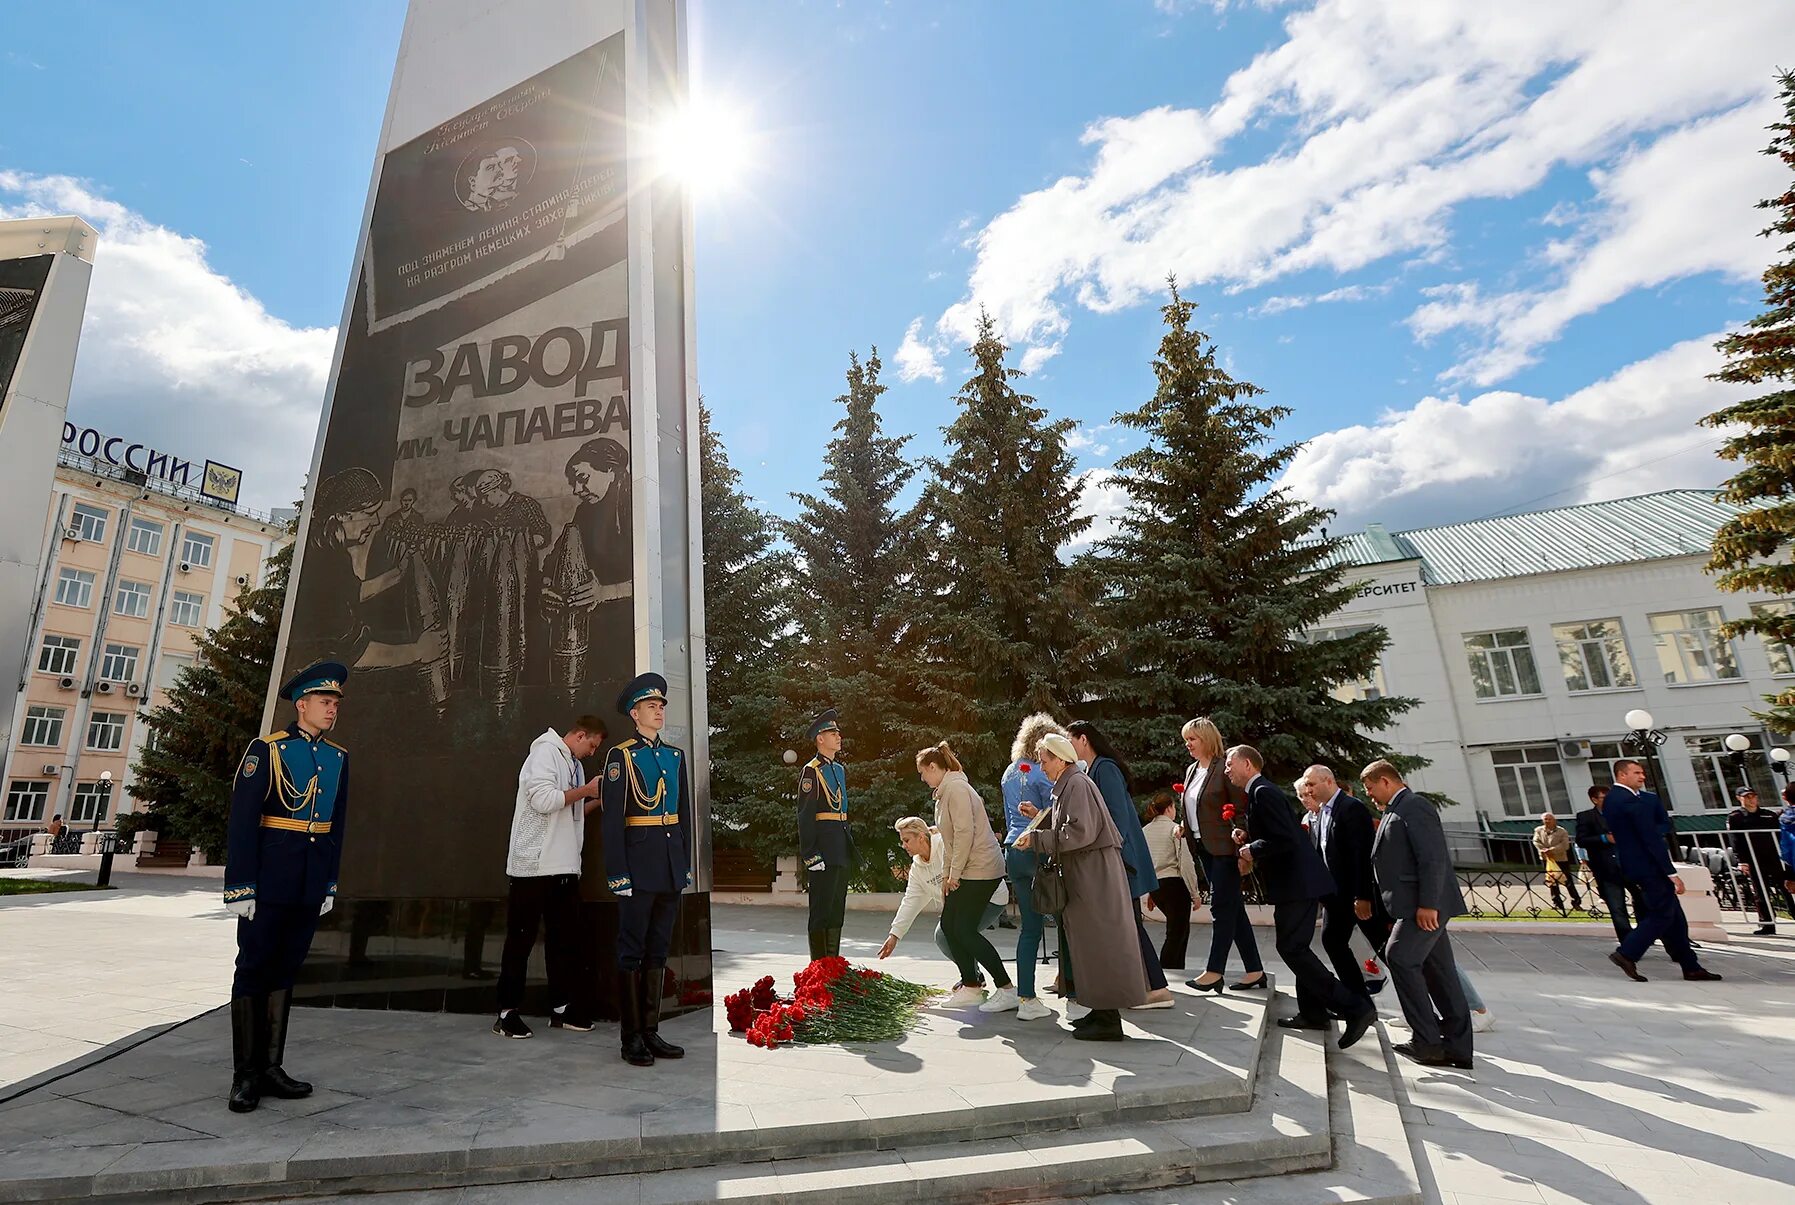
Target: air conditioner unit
184,567
66,683
134,689
1574,750
104,688
52,770
243,579
73,533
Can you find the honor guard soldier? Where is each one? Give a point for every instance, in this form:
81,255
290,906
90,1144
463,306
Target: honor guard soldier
647,789
825,841
285,842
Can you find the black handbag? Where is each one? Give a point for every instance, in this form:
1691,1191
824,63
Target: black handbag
1048,893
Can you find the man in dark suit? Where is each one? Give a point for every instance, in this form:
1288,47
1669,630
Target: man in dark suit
1603,862
1343,831
1414,875
1294,880
1637,820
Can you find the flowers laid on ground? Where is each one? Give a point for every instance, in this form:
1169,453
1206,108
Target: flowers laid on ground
833,1001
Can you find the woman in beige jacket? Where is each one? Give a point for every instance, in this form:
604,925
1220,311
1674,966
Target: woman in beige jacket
973,871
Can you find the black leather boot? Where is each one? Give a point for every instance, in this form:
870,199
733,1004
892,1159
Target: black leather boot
275,1081
248,1015
818,943
629,1004
651,1017
832,942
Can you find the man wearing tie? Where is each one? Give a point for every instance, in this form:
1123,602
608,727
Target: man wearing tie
1414,874
1294,880
1343,831
1638,822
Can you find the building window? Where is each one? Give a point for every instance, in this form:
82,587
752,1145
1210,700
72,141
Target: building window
119,664
1531,780
27,800
1594,655
1502,664
88,523
188,609
106,732
58,655
132,599
168,669
1718,777
1603,755
43,727
196,549
1782,656
1691,648
90,802
74,588
145,537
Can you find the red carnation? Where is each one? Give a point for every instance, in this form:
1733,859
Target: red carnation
1024,767
1227,811
1371,966
1177,788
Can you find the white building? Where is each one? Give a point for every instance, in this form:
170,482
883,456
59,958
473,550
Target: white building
1528,639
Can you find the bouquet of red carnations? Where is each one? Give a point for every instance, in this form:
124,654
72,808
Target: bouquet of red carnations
833,1002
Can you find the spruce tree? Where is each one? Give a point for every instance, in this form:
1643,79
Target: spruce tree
1005,613
1753,550
1212,579
852,601
747,613
214,709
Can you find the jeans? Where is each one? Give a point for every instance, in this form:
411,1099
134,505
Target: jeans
992,912
1020,865
1156,977
962,914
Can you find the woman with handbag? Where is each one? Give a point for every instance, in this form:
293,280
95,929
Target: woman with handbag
1213,809
1080,840
974,870
1025,784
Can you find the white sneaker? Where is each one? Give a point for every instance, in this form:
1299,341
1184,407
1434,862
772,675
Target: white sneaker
1159,999
1483,1022
1032,1010
1002,1001
964,995
1075,1010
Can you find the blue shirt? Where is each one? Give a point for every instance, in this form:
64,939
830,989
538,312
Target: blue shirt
1034,787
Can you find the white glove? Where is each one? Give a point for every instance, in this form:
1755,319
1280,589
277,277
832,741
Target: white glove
329,902
242,908
627,891
820,866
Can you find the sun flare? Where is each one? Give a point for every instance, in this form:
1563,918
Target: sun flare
703,144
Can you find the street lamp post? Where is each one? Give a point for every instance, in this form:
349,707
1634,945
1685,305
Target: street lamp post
100,811
1645,741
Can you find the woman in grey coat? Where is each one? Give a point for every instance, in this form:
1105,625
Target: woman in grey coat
1099,915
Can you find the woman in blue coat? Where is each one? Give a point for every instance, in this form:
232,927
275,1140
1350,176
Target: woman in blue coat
1110,774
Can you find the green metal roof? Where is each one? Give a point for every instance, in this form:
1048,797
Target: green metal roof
1648,527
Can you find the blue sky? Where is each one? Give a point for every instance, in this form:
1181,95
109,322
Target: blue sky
1481,252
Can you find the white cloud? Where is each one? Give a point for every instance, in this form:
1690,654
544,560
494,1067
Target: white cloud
1036,357
1394,114
1095,439
916,359
1102,498
1443,460
1278,305
174,355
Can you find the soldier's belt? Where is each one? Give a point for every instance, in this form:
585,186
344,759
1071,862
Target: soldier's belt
831,815
296,826
661,821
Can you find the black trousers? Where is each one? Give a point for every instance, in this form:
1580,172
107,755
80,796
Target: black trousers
1768,888
271,948
828,897
1318,994
961,913
1660,916
1228,916
1172,898
645,928
539,902
1338,920
1570,881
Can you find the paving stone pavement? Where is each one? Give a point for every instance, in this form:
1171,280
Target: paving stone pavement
1591,1088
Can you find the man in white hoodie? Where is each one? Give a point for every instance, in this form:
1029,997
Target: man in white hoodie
548,829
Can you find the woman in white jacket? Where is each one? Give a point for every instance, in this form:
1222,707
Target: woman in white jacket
923,890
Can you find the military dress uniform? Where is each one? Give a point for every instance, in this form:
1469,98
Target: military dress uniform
284,843
825,842
647,791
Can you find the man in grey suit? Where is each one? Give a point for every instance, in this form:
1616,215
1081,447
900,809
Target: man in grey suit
1414,875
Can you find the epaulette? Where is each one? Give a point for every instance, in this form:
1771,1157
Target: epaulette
277,734
625,744
333,744
815,763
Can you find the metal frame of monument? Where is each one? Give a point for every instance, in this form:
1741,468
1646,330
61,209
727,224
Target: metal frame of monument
454,56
